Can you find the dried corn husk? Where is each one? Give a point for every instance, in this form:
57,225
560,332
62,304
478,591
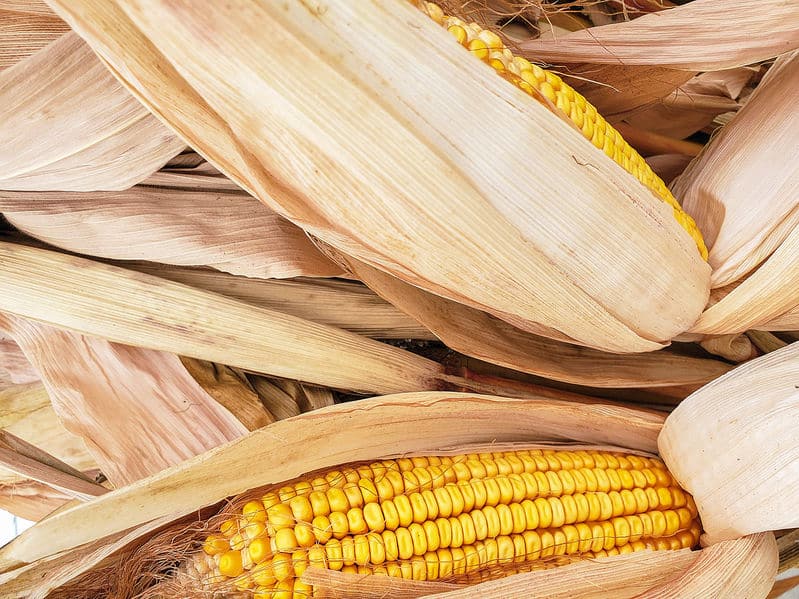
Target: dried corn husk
30,500
746,420
14,366
342,304
686,37
735,348
26,412
502,344
695,104
98,135
138,410
743,190
141,310
226,230
305,444
26,26
354,158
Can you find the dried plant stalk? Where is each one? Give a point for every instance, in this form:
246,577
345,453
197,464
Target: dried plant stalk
99,136
137,309
494,239
753,33
229,231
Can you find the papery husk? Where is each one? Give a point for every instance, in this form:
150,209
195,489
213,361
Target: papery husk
26,26
138,410
30,500
229,231
743,190
686,37
618,89
354,158
14,366
342,304
732,446
27,460
480,335
128,307
649,143
694,105
668,166
26,411
788,321
345,433
97,135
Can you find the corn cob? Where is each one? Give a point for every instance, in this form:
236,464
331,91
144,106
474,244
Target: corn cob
461,519
565,101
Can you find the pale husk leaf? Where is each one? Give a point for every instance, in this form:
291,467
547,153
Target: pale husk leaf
686,37
668,166
322,438
744,189
480,335
138,410
97,135
617,89
342,304
137,309
27,413
767,293
14,366
728,570
732,446
355,158
788,321
695,104
29,499
29,461
229,231
26,26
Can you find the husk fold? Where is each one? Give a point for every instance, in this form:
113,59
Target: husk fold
355,159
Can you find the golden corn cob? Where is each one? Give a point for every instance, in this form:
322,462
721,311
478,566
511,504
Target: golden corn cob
460,518
538,82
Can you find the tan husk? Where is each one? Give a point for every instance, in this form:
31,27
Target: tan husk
686,37
97,135
753,484
14,366
29,499
138,410
735,348
354,158
480,335
227,230
137,309
26,26
342,304
27,413
744,189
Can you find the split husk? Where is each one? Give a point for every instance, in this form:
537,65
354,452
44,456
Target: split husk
26,26
354,159
408,424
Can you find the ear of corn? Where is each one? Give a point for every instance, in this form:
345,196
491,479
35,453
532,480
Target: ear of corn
461,519
542,84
